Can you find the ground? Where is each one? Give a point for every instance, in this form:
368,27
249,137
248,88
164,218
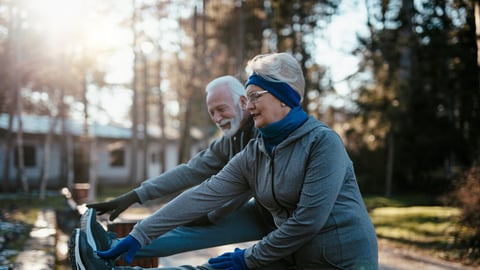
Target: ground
391,256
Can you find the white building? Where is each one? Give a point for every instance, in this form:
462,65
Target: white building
112,150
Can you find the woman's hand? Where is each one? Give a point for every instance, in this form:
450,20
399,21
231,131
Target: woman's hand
129,244
230,260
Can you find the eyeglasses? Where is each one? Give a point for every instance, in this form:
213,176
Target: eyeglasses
254,96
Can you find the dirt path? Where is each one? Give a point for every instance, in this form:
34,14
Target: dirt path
391,257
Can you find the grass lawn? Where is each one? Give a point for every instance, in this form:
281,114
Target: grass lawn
416,222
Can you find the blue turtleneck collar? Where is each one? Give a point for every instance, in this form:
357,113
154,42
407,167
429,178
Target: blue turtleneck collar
274,133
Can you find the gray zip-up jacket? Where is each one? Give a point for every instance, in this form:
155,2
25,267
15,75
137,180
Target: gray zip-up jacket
199,168
309,186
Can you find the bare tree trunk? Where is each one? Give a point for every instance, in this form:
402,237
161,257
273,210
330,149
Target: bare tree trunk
8,141
389,169
86,135
185,137
66,157
92,175
204,75
405,75
12,98
477,29
241,38
21,176
185,140
134,144
146,90
70,166
46,158
161,109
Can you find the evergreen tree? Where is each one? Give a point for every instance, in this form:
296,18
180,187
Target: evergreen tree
422,103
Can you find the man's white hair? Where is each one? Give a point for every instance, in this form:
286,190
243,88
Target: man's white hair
236,88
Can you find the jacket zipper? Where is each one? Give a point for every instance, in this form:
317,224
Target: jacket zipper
272,166
294,261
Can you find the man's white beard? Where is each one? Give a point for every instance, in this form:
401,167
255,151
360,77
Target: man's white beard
234,123
234,126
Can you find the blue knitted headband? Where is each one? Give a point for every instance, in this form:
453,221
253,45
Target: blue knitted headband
283,91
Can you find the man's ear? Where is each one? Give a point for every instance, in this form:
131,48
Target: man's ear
243,102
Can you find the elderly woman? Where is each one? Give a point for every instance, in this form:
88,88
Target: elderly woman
298,170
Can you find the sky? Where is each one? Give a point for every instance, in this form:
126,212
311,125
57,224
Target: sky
334,50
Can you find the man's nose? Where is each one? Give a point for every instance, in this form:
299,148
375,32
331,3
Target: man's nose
217,117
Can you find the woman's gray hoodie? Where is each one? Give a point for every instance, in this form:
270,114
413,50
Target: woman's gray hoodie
309,186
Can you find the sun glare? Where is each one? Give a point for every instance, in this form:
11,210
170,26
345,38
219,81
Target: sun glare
87,29
80,22
56,16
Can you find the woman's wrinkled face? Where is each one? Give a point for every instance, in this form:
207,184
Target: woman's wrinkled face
264,107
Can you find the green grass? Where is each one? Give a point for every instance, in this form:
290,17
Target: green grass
373,202
428,226
434,229
26,208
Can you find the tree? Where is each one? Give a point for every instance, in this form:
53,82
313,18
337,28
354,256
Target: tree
43,56
417,100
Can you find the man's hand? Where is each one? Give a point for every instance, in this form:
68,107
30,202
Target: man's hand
118,205
129,244
230,260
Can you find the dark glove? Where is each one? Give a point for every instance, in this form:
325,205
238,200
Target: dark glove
118,205
128,244
230,260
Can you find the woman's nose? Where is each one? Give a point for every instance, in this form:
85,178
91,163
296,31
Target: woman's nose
249,106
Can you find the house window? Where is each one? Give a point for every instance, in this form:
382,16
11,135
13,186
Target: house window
117,158
29,156
155,158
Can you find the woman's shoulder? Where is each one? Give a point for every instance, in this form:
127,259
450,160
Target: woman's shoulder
314,128
314,125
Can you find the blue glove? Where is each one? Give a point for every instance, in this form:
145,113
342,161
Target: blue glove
127,244
230,260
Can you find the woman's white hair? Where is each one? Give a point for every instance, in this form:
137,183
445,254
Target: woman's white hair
279,67
236,88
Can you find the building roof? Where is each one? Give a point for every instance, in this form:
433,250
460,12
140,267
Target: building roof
39,124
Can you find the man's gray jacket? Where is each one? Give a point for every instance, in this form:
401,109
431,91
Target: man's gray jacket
201,167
